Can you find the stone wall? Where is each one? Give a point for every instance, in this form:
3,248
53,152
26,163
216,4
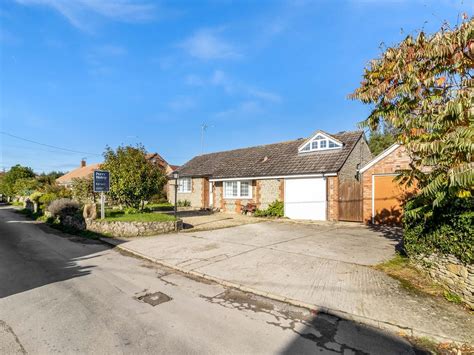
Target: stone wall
397,160
359,156
451,273
195,196
267,191
132,229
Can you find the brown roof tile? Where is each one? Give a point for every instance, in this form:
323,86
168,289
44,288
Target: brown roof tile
271,160
81,172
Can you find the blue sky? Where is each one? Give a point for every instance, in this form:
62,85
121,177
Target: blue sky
83,74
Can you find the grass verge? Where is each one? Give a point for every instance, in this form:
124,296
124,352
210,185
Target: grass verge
137,217
410,278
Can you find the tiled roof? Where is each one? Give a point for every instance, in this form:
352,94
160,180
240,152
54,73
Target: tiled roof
271,160
80,172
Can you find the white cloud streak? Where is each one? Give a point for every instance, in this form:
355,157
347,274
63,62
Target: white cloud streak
232,87
206,44
78,12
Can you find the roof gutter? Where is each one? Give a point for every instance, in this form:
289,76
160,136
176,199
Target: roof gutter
274,177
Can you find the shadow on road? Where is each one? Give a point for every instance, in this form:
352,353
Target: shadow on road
34,255
338,335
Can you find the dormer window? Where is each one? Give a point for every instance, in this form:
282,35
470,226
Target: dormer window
320,142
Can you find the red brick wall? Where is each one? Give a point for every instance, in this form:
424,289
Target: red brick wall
396,160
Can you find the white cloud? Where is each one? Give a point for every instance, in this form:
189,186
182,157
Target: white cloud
206,44
182,103
110,50
232,87
265,95
78,12
242,110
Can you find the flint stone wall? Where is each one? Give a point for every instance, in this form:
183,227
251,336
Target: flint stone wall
451,273
132,229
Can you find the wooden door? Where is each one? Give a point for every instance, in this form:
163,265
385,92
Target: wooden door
350,201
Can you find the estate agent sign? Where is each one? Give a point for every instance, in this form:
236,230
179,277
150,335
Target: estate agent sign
101,184
101,181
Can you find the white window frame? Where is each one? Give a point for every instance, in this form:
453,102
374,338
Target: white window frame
308,146
181,186
239,191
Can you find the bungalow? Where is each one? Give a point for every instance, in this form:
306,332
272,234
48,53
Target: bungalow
314,177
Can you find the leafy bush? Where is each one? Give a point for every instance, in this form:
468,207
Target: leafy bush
35,196
131,210
47,198
63,207
275,209
184,203
447,230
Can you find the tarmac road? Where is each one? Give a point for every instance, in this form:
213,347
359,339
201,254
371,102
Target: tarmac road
64,294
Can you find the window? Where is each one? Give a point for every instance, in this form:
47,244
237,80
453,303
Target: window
237,189
320,142
185,185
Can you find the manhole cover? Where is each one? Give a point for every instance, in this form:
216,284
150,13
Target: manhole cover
155,299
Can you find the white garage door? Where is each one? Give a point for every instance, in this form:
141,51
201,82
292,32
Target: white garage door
305,198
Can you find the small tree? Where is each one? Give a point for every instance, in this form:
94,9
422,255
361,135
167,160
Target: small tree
11,177
83,190
133,179
381,139
424,88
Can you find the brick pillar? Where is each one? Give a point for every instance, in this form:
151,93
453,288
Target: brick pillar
332,198
282,190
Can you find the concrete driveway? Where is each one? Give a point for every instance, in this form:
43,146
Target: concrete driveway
325,265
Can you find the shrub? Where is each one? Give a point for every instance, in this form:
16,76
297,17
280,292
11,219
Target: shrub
184,203
35,196
47,198
131,210
275,209
63,207
447,230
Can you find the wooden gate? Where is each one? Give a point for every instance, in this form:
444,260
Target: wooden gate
350,201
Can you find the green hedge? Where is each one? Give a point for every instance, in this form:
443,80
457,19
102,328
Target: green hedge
447,230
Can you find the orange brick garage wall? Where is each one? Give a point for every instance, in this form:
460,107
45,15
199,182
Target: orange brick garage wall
388,195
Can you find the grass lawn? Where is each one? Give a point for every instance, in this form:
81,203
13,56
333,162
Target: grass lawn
137,217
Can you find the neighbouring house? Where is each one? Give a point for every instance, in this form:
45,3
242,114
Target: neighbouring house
83,171
316,178
383,196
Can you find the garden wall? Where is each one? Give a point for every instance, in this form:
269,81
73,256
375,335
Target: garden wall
133,229
451,273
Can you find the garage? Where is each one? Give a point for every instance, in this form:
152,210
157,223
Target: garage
383,196
305,198
387,199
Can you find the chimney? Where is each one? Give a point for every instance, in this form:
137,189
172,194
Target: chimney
83,163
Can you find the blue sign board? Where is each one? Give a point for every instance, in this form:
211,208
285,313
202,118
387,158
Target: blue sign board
101,181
